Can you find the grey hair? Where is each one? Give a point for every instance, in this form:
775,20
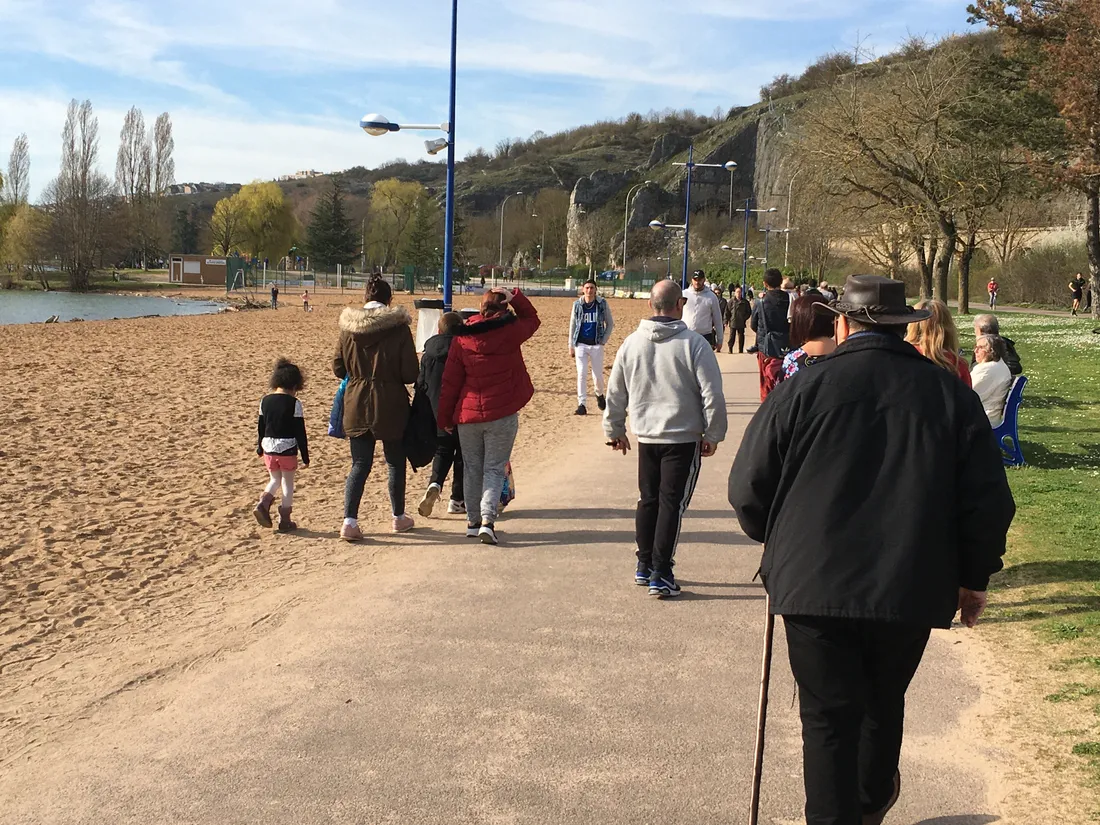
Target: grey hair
996,345
988,324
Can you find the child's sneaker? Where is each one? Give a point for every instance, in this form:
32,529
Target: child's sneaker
641,575
456,507
472,530
403,524
487,534
664,586
431,496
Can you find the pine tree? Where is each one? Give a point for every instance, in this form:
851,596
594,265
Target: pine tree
424,238
330,238
185,232
459,251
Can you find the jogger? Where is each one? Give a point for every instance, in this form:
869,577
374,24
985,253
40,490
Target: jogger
486,448
667,474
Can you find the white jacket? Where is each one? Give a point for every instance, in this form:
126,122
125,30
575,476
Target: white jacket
992,380
703,313
668,378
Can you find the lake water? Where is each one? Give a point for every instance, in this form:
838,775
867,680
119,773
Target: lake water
18,307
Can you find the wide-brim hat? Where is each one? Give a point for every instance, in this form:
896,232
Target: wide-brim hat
872,299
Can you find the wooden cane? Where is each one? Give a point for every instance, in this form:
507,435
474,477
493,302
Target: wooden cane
762,712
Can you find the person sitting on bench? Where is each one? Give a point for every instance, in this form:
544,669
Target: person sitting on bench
991,377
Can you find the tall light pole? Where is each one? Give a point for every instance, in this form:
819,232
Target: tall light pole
626,217
748,212
686,225
501,262
542,246
374,124
668,271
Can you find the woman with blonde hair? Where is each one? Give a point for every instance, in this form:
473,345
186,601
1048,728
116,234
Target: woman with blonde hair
937,339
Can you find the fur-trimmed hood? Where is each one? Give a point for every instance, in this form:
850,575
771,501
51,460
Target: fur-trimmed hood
373,321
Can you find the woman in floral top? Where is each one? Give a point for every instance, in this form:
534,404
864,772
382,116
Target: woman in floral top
811,334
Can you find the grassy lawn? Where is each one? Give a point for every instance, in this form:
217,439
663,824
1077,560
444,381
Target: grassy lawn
1048,598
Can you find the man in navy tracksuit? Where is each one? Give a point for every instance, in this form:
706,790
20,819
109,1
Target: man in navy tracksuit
589,329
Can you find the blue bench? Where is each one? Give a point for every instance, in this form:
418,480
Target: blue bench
1008,433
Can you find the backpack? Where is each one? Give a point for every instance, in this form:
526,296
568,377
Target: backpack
420,433
336,417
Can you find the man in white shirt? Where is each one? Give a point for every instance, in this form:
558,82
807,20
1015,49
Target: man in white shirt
991,376
702,311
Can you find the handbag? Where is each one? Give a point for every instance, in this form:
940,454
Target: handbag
336,417
508,492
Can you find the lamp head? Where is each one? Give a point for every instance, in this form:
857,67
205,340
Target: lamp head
774,209
730,165
376,124
656,225
727,247
434,147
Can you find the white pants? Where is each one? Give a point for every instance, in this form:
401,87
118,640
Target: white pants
589,357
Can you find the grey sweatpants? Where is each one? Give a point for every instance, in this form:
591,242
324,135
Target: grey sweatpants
486,448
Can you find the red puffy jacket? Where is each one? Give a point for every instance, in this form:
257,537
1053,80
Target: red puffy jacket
485,378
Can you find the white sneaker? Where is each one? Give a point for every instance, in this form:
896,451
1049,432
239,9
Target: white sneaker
456,507
431,496
487,534
472,530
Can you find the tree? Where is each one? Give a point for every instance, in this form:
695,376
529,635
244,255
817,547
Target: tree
1058,39
132,180
78,196
460,253
594,235
330,237
268,227
227,226
424,239
16,186
185,232
392,206
25,238
886,246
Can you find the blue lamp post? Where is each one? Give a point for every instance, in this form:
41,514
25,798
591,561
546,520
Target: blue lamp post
730,166
376,125
745,263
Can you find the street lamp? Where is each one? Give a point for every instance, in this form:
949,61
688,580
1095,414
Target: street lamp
749,211
376,125
668,272
502,229
542,246
626,217
767,236
691,164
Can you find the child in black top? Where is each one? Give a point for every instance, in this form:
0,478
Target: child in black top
280,434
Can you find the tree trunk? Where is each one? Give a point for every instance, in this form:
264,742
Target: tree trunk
964,272
943,265
926,258
1092,242
79,280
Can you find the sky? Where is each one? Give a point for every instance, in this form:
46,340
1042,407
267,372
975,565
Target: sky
262,88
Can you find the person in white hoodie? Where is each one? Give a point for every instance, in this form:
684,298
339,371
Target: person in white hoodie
702,311
668,378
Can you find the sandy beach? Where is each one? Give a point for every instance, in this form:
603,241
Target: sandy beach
128,538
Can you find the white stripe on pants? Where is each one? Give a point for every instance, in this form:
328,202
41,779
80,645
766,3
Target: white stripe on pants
486,448
589,356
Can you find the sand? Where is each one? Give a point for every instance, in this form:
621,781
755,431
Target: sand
131,475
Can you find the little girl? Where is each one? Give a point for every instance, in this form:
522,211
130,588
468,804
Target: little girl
281,433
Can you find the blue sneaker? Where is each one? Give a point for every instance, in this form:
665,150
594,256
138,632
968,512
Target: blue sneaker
641,575
664,586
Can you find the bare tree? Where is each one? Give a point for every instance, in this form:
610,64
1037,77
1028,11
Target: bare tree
128,165
17,183
78,196
886,246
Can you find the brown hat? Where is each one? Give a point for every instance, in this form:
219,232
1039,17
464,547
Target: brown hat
872,299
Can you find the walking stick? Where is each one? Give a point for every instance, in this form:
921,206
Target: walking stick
762,712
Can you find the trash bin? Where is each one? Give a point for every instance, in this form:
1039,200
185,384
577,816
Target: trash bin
428,313
570,285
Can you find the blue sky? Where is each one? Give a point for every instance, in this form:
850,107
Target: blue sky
259,88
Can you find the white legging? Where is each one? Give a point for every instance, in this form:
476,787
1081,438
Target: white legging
285,480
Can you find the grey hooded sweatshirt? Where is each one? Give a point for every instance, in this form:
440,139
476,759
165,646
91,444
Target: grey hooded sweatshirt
668,378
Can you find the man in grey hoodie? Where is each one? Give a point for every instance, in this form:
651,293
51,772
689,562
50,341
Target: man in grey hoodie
668,377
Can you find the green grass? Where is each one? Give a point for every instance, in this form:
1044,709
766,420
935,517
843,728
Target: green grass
1049,590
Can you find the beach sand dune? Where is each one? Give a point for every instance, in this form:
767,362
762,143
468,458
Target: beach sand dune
128,548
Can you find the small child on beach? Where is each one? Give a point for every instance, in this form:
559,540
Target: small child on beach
280,434
305,301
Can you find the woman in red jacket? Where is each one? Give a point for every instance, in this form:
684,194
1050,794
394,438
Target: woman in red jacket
485,385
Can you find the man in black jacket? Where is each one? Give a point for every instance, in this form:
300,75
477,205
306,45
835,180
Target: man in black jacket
769,322
448,452
877,488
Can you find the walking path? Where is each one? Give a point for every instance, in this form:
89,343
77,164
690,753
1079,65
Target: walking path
530,683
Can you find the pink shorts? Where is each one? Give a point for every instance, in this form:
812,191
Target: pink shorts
284,463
